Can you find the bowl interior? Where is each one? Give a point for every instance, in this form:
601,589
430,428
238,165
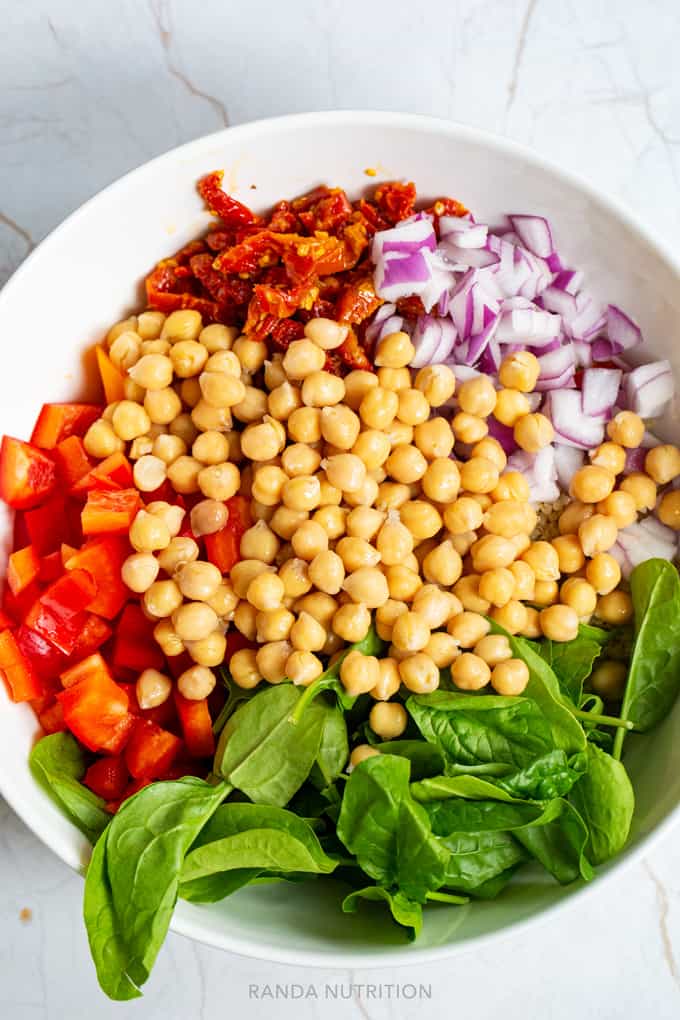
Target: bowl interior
87,275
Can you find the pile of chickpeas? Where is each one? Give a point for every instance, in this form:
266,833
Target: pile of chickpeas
371,503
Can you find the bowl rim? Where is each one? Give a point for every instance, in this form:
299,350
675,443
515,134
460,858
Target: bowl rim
190,926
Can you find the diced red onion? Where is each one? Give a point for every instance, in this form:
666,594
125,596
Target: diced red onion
534,233
462,232
600,388
649,388
384,322
557,369
583,353
467,258
502,434
404,239
645,539
531,325
635,460
568,460
622,332
540,472
433,339
569,280
559,301
571,425
590,318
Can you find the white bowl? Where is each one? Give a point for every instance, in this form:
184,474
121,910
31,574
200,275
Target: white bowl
87,274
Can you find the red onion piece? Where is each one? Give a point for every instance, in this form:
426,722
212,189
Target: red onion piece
404,239
622,332
433,339
530,325
557,369
568,460
649,388
572,426
534,233
600,388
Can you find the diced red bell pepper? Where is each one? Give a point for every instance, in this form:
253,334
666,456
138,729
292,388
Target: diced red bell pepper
59,613
52,718
59,421
72,461
113,381
150,751
134,786
22,569
108,777
186,767
235,642
194,717
103,559
135,646
46,660
51,567
92,666
5,620
164,715
27,475
17,606
92,636
112,473
178,663
23,683
48,525
110,513
224,547
20,535
96,712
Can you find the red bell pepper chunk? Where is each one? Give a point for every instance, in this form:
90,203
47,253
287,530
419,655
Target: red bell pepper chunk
92,636
194,717
103,559
72,461
108,777
5,620
51,567
96,712
17,606
112,473
59,421
48,525
164,715
52,718
224,547
186,767
59,613
46,660
150,750
110,513
92,666
27,475
135,646
22,681
23,569
133,787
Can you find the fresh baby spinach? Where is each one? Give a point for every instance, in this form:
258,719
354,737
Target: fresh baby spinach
404,911
477,858
333,748
560,845
330,680
605,800
572,661
58,763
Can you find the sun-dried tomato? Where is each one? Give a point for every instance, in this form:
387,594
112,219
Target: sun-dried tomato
412,307
229,209
284,331
216,240
323,255
353,354
366,213
323,208
231,292
272,301
395,200
283,220
167,291
251,255
357,301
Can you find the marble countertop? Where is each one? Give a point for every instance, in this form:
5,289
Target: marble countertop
88,91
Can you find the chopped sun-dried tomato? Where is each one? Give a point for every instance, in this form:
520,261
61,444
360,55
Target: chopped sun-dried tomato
395,200
323,208
352,354
366,213
283,331
171,285
283,219
272,301
231,292
229,209
357,301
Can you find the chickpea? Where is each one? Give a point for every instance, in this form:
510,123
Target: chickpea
512,486
620,506
190,392
357,385
413,406
386,615
218,481
245,620
615,608
245,571
543,559
434,606
220,338
101,440
468,428
477,396
303,668
333,520
394,350
388,720
545,593
356,553
208,517
419,674
394,541
491,449
352,621
610,456
283,401
365,495
627,429
194,621
265,591
309,540
443,565
183,475
608,679
152,372
253,407
533,431
304,425
302,358
520,371
604,573
421,518
319,605
468,628
569,553
662,463
162,599
441,480
524,578
580,595
148,533
406,464
152,688
361,753
378,408
573,516
597,534
559,623
224,601
372,447
467,591
469,672
532,627
198,580
327,572
359,673
396,379
139,571
437,382
511,405
388,682
210,650
591,484
125,350
295,577
410,632
483,498
129,420
463,516
243,668
206,417
510,517
434,438
176,554
442,649
274,625
164,634
183,428
642,488
184,324
402,582
669,510
497,586
285,521
271,660
268,483
510,678
322,389
149,473
493,648
365,522
492,551
367,585
326,333
307,634
219,389
478,475
511,617
345,471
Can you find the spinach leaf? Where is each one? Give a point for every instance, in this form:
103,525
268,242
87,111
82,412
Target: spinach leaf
560,845
552,775
333,749
544,689
235,695
426,759
131,890
654,675
58,763
330,680
458,815
262,753
604,797
217,886
476,858
471,787
572,661
251,836
403,910
387,831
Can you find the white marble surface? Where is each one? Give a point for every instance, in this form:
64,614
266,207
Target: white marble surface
89,90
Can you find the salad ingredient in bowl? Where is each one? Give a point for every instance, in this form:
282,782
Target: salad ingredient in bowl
364,569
